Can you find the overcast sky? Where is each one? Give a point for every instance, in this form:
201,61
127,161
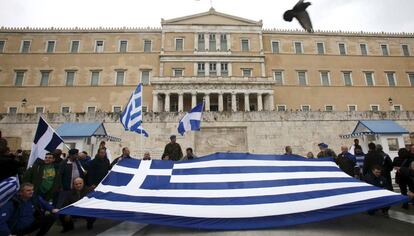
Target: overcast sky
355,15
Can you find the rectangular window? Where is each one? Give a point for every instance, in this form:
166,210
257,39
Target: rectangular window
342,48
352,108
375,108
212,42
305,108
12,110
99,46
302,78
298,48
50,46
275,47
147,45
144,109
145,77
95,78
223,42
201,43
91,109
384,49
201,69
39,110
178,73
225,70
65,109
397,108
364,49
281,108
325,78
70,78
25,46
347,78
44,80
279,77
321,48
245,45
123,46
120,76
117,109
369,78
391,79
404,47
411,78
74,46
19,76
213,69
2,44
247,72
179,44
329,108
393,144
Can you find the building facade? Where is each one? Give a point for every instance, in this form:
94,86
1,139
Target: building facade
231,63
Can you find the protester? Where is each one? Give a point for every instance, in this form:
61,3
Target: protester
372,158
69,170
98,168
374,177
78,192
125,155
387,166
288,150
189,154
325,151
108,152
346,161
403,162
310,155
147,156
172,150
84,159
9,166
26,213
43,175
58,156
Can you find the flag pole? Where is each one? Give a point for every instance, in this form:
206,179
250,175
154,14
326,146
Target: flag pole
142,122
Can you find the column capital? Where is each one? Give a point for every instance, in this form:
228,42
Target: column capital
155,92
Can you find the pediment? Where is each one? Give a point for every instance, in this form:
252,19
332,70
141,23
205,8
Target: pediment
211,17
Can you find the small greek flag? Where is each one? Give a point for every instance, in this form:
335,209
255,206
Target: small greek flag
191,120
8,188
131,118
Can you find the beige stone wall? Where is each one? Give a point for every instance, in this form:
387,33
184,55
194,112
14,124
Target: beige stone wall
255,132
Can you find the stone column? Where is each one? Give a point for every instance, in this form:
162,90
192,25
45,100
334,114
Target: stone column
233,102
259,102
154,101
167,102
246,102
271,102
220,102
207,102
207,69
207,42
193,100
180,102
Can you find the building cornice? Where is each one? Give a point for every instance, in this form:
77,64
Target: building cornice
4,29
339,33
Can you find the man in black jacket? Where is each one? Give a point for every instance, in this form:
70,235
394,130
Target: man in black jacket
97,168
172,150
372,158
125,155
375,178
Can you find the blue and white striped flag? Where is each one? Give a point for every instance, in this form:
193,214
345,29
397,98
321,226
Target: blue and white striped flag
46,140
131,118
191,120
230,191
8,188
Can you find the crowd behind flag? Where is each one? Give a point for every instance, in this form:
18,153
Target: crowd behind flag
131,117
192,120
46,140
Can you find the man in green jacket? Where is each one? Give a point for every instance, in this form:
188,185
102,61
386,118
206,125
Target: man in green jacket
172,150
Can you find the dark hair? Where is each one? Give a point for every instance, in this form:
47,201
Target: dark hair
403,152
372,146
356,140
123,149
189,149
102,142
84,152
376,167
50,154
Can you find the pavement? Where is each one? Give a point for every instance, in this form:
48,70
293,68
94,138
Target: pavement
400,222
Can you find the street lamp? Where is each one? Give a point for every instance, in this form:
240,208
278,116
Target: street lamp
24,102
390,101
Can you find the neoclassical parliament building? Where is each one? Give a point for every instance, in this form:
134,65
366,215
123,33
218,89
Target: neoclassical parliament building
231,63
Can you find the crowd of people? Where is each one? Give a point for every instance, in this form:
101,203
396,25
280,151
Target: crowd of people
59,180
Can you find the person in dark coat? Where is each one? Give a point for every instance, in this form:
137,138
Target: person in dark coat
387,166
97,168
325,151
78,192
172,150
43,175
401,163
26,213
125,155
9,166
58,156
84,159
374,177
346,161
372,158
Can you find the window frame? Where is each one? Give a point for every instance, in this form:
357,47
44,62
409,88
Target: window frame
281,105
394,76
250,72
278,46
2,50
147,40
329,105
9,108
141,76
71,46
120,43
306,77
123,78
22,45
175,72
408,50
282,75
23,77
62,107
411,83
36,107
227,70
350,105
374,105
382,51
329,77
323,48
99,77
248,44
350,77
397,105
66,77
372,77
113,108
47,46
301,47
345,48
48,78
96,45
366,48
87,109
305,105
201,73
182,44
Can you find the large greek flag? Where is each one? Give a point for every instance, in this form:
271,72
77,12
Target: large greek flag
230,191
46,140
131,117
191,120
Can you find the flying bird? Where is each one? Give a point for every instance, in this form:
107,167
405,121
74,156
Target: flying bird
299,12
